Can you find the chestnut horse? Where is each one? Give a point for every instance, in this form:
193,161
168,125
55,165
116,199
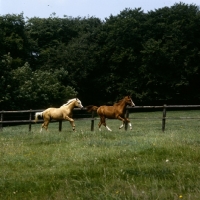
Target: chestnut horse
62,113
117,111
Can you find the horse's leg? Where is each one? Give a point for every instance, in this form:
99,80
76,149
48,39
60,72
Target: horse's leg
108,128
45,125
41,127
129,123
121,126
103,121
100,123
71,122
73,125
123,122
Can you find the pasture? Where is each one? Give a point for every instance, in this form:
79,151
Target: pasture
140,164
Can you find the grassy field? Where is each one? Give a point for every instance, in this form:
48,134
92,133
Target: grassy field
143,163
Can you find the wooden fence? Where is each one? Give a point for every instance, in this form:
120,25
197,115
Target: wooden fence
31,121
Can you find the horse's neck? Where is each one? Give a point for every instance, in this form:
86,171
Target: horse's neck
70,106
121,106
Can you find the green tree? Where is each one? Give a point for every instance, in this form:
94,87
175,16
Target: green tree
152,56
40,89
170,68
5,83
13,38
119,40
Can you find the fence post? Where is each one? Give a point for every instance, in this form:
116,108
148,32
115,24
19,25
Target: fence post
126,116
60,125
1,125
92,121
164,117
30,120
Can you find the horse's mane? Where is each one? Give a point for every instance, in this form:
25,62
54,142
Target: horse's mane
69,101
118,103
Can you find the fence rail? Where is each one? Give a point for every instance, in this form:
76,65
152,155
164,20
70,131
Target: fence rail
31,121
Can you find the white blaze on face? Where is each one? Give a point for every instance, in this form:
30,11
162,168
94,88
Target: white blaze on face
132,104
80,104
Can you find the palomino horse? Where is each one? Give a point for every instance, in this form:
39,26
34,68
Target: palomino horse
117,111
62,113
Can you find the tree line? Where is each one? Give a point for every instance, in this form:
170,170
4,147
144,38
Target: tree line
154,57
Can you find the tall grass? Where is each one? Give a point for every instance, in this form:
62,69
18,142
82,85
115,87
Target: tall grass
143,163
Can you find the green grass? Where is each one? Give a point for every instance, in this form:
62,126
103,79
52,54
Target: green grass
143,163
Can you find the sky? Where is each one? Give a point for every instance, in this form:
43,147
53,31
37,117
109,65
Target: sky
81,8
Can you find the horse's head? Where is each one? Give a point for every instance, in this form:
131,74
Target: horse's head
73,102
78,103
129,101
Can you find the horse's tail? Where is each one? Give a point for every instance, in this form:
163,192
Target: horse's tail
37,114
91,108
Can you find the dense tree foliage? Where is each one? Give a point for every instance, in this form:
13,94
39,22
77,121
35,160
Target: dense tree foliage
152,56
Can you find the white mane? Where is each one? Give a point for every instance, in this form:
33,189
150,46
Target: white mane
70,100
